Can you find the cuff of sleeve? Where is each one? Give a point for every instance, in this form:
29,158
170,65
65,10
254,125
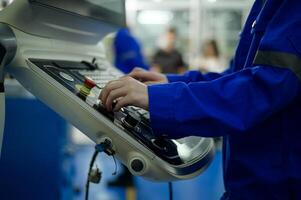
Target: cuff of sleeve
161,108
175,78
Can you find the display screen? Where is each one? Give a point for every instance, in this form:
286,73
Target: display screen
111,11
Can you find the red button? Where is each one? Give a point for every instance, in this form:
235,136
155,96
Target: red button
89,83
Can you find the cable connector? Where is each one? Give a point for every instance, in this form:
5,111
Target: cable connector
95,176
105,146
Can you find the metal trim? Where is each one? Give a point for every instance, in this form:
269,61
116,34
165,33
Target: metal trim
279,59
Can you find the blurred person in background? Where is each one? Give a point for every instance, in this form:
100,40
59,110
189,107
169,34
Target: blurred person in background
210,60
127,52
168,59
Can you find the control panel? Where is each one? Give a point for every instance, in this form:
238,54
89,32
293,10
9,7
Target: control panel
86,80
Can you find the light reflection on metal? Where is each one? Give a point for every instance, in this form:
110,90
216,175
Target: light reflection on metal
5,3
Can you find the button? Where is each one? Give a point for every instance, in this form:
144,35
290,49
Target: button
146,115
89,83
101,86
142,112
134,108
137,165
85,90
66,76
131,120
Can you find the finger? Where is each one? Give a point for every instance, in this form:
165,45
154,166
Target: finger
112,85
122,102
114,94
136,69
141,75
125,77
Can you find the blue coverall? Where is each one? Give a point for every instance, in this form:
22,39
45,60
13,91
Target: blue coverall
255,106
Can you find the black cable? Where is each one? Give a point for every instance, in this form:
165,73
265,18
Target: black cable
170,190
95,176
90,169
116,167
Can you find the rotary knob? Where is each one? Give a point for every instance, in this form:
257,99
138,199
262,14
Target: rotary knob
131,120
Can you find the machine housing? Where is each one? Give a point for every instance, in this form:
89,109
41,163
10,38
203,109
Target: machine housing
54,52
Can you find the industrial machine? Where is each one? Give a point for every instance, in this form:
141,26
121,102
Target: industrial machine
54,49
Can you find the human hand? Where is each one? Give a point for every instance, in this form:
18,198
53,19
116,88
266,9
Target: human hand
125,91
148,77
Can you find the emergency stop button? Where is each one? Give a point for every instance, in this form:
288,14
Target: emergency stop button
89,83
86,88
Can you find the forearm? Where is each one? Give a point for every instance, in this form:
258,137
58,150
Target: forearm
232,104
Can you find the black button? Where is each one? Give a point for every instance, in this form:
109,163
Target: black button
131,120
137,165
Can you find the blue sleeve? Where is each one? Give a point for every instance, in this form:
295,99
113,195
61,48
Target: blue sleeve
194,76
231,104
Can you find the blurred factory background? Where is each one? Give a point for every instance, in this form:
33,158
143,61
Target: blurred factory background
52,163
196,22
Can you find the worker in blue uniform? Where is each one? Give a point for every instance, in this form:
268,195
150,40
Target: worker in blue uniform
255,106
127,51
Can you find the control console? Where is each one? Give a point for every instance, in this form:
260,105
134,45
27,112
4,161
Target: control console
86,80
